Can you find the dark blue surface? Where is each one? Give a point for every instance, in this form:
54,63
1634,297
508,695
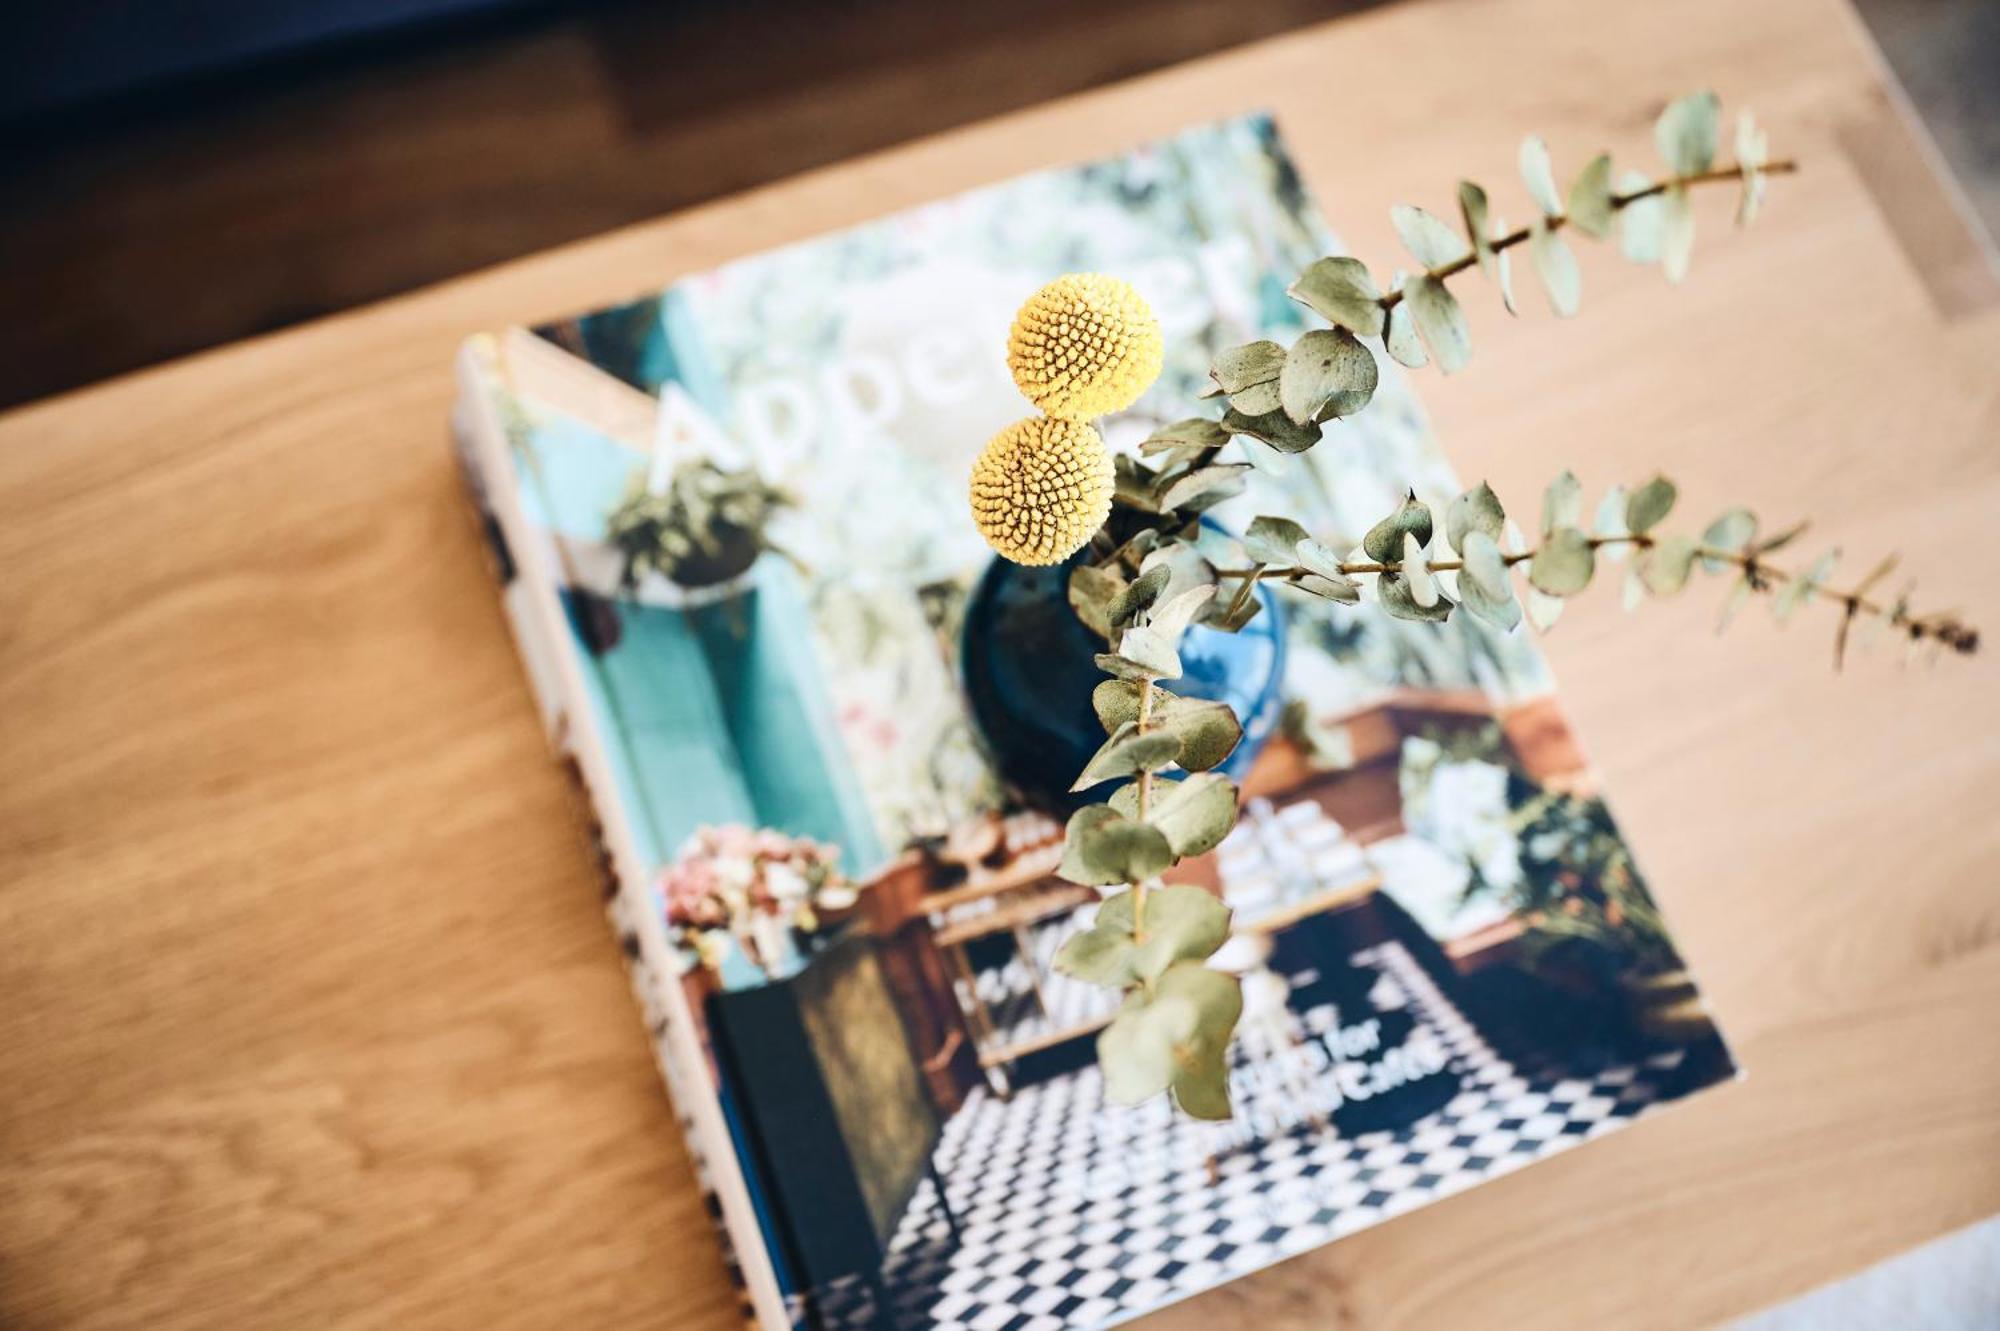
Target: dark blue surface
1029,674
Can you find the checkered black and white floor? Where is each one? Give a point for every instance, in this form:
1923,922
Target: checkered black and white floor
1075,1213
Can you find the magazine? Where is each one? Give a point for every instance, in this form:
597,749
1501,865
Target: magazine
839,900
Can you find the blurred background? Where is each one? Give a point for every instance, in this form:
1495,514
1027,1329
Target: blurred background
175,176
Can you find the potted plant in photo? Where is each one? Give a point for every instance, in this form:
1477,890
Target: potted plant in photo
756,894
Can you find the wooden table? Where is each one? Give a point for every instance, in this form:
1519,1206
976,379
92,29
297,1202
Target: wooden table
309,1013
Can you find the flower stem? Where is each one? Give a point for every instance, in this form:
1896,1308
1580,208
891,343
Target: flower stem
1946,629
1557,221
1142,723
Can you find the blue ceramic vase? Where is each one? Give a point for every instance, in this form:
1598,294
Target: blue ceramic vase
1029,673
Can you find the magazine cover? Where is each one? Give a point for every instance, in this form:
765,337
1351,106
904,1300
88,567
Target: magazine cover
834,873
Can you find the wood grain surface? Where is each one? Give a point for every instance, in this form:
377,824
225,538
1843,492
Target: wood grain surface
310,1016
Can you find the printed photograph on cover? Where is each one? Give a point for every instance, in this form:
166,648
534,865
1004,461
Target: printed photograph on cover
842,733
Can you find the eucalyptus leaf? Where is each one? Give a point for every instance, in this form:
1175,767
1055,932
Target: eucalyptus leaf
1610,523
1345,591
1397,597
1562,502
1195,813
1187,565
1664,565
1339,290
1557,267
1803,587
1384,541
1170,616
1151,650
1273,540
1472,211
1310,554
1137,596
1327,373
1208,731
1538,174
1274,428
1102,846
1428,236
1590,198
1563,564
1093,590
1127,753
1476,510
1124,667
1399,334
1739,592
1732,533
1503,268
1238,368
1686,133
1650,504
1175,1036
1543,610
1642,224
1204,487
1416,573
1485,588
1132,483
1784,538
1195,431
1440,321
1676,233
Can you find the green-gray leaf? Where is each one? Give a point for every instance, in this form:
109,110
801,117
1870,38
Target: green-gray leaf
1102,846
1590,197
1803,587
1137,596
1273,540
1649,504
1478,509
1274,428
1340,291
1427,236
1642,224
1563,564
1195,813
1610,521
1686,133
1441,322
1731,533
1472,211
1393,589
1484,587
1128,753
1562,502
1208,731
1238,368
1539,175
1320,559
1676,233
1328,373
1204,487
1384,541
1151,649
1093,590
1195,432
1556,266
1345,591
1399,334
1124,667
1664,565
1170,616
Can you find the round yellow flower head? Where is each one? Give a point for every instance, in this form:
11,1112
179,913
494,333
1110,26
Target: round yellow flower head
1084,345
1041,488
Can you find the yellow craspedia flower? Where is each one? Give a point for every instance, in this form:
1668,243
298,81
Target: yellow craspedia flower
1084,345
1041,488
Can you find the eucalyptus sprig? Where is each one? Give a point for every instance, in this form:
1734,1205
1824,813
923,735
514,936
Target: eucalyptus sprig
1143,581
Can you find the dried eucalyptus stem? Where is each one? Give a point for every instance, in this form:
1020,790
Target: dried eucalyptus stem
1046,488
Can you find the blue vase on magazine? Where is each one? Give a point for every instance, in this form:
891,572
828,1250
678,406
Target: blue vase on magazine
1029,673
